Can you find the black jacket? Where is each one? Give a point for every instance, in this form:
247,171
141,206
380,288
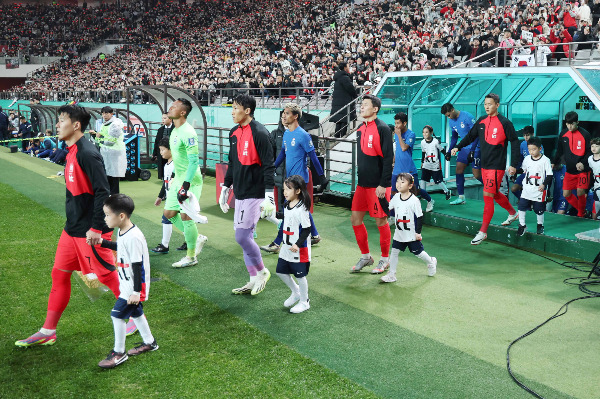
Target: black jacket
251,171
87,188
163,131
343,93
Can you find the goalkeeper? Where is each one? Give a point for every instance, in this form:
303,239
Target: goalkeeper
188,179
251,174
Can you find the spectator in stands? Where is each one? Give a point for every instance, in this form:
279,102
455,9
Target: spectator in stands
559,35
163,131
568,18
342,111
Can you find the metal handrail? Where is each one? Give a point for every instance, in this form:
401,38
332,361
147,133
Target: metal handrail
483,57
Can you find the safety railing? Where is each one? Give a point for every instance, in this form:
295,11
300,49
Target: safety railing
501,56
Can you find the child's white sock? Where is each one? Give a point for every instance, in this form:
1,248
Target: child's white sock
167,231
394,260
289,281
142,324
522,218
540,219
443,186
120,332
303,284
423,185
424,257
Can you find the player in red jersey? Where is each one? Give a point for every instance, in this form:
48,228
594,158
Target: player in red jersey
87,188
374,160
494,132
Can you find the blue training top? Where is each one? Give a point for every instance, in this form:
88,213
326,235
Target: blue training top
403,160
460,127
297,145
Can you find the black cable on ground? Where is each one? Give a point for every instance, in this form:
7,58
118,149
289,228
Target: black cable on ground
582,282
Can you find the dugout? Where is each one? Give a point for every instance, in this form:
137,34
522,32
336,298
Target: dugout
163,95
536,96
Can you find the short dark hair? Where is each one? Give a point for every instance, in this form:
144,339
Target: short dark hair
595,140
536,141
246,101
494,97
107,109
528,130
76,114
375,101
571,117
342,65
164,142
401,116
187,105
447,108
120,203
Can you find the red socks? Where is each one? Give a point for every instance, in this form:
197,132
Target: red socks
60,294
581,200
59,297
488,212
362,238
385,236
111,280
573,201
502,200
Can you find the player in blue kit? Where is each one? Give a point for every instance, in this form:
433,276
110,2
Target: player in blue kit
297,147
460,123
404,140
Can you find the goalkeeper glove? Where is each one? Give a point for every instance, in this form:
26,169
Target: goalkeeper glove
267,208
182,194
224,197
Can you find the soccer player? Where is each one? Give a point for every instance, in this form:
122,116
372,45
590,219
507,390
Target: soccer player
164,149
251,173
297,147
494,132
87,188
404,163
431,165
574,145
460,123
374,163
184,149
538,175
594,164
409,222
133,265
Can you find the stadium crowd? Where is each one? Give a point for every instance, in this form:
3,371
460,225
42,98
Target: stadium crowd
239,43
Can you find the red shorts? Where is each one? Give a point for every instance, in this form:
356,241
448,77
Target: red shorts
72,253
573,182
492,179
365,200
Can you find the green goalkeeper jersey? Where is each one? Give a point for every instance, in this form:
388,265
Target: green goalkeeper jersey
184,143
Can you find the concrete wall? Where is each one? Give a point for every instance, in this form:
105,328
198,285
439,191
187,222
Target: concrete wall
20,72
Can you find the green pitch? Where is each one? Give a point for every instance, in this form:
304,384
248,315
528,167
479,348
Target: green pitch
440,337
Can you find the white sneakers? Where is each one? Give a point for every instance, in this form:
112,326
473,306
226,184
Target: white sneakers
510,219
430,205
295,297
300,307
186,261
479,237
246,289
432,267
389,278
200,243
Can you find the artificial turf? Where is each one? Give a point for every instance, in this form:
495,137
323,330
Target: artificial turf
441,337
